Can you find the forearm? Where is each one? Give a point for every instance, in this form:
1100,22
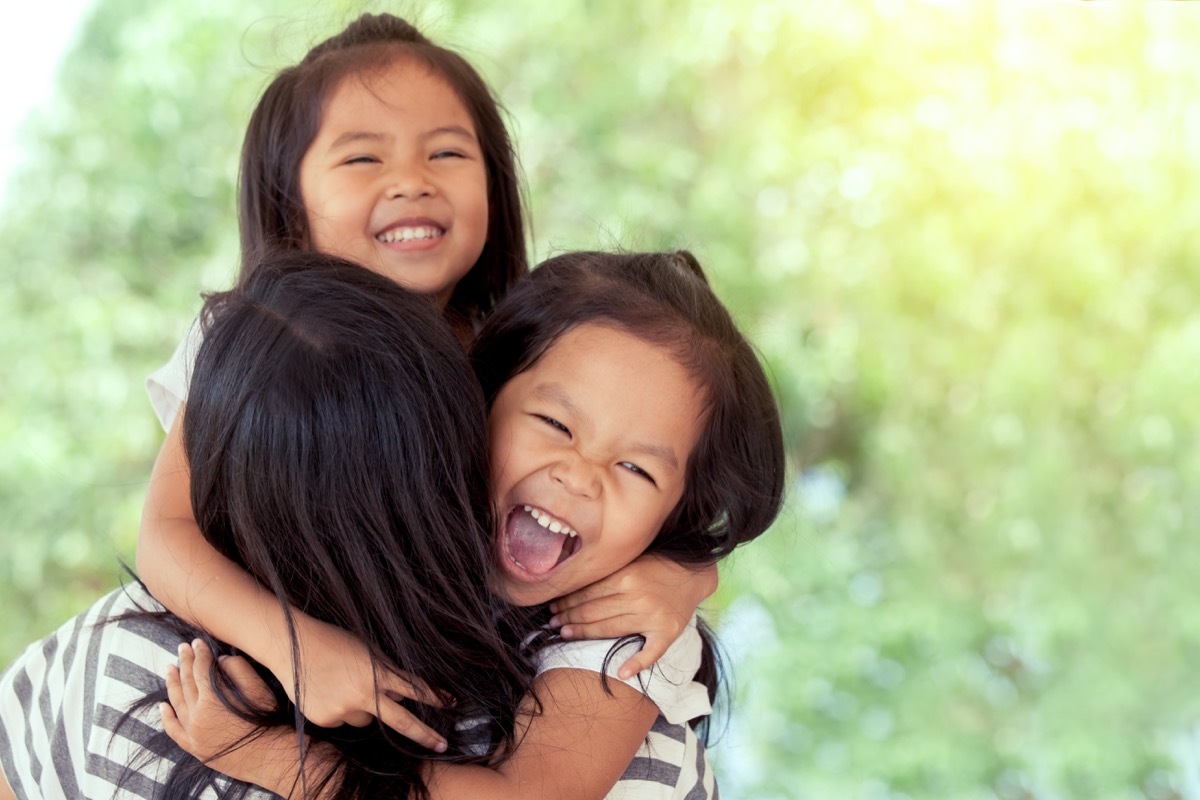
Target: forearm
576,749
272,762
197,583
704,582
188,576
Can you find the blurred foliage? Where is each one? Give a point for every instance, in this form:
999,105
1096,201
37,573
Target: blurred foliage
962,236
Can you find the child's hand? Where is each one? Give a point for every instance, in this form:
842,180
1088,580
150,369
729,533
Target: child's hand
197,720
338,684
652,596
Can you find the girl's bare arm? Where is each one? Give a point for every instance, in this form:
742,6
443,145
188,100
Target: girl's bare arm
576,749
189,577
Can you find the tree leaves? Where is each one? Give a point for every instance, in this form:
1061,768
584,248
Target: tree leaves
961,235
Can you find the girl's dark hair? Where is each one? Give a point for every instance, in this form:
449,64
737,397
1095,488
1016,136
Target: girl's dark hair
734,480
338,452
271,211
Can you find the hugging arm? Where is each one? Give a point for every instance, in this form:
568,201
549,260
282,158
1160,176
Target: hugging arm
652,596
187,575
575,749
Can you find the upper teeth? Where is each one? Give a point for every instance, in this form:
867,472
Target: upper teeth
547,521
408,234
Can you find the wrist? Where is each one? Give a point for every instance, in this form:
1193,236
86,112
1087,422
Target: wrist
707,579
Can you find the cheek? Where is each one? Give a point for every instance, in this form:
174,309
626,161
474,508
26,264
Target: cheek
500,447
309,187
314,218
483,201
323,238
654,517
641,524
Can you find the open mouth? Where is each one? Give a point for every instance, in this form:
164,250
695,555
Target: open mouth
538,542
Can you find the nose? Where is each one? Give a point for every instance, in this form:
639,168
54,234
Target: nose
408,180
577,475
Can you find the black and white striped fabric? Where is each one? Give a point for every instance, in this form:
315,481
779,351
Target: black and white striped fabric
671,763
62,700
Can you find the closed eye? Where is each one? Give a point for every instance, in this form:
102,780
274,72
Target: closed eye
641,473
361,160
553,423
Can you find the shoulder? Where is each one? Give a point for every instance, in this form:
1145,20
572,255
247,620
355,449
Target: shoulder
70,694
681,660
670,683
167,386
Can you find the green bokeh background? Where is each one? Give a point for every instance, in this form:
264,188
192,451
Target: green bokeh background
962,235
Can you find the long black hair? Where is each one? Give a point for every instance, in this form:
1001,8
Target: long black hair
337,446
271,213
735,476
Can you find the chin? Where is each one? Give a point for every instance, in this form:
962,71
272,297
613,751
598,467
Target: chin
524,596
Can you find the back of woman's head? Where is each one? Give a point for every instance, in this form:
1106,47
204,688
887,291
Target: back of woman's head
286,120
337,445
734,481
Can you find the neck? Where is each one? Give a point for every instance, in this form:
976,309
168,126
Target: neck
464,331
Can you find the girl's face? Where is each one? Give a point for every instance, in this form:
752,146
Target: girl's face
589,452
395,179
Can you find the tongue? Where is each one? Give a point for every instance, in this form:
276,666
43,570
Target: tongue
534,547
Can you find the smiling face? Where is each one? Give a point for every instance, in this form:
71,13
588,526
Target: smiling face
589,454
395,179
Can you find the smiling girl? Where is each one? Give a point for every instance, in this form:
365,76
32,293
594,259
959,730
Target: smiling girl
387,150
627,416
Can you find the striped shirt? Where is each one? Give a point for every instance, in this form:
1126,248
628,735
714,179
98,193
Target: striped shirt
63,699
671,763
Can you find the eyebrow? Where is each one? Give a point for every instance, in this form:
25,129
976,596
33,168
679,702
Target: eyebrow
555,393
352,137
453,130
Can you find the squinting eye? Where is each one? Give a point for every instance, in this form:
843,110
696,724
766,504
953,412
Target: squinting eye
636,470
553,423
362,160
448,154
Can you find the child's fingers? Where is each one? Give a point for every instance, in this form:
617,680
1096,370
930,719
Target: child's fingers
243,677
654,649
172,726
594,611
611,628
404,723
187,680
396,684
202,664
587,594
175,697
